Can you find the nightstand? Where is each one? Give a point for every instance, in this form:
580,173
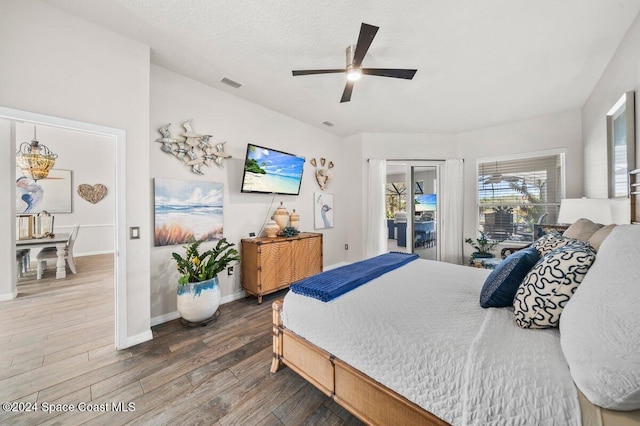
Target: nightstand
486,263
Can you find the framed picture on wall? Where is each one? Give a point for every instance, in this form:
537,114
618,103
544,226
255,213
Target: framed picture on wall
186,209
323,210
51,194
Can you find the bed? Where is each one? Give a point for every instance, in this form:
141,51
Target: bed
413,346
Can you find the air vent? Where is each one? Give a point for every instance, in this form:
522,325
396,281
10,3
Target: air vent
231,83
328,123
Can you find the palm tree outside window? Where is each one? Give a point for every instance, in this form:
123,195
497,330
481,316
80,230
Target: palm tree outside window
515,194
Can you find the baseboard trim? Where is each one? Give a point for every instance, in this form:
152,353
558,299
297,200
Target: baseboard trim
161,319
138,338
9,296
231,297
93,253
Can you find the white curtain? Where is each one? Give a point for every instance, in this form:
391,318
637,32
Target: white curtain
452,205
375,237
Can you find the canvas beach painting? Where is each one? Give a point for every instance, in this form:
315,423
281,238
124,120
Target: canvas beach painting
323,210
51,194
187,209
271,171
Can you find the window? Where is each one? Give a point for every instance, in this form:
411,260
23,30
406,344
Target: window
396,198
516,194
621,140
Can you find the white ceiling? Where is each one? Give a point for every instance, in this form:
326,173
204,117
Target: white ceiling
480,62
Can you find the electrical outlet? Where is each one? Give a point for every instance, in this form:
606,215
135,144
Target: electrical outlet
230,270
346,246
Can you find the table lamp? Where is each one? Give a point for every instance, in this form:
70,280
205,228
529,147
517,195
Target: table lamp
597,210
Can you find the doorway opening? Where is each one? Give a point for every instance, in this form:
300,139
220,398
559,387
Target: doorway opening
117,137
412,207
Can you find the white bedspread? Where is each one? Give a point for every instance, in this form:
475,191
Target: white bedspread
420,331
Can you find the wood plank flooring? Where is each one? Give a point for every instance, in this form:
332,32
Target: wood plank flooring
57,346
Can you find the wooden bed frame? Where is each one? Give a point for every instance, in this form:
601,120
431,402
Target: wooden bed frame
359,394
374,403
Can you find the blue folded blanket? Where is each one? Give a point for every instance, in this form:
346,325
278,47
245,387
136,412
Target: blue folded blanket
336,282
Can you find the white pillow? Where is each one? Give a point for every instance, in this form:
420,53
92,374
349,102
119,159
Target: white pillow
600,326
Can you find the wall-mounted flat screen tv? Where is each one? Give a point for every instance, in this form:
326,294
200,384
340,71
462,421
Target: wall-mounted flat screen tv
271,171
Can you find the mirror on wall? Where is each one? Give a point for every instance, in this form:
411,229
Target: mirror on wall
621,139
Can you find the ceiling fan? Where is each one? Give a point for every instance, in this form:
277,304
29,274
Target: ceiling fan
354,70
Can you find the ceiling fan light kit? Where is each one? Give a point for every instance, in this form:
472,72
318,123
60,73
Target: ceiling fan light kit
354,74
354,70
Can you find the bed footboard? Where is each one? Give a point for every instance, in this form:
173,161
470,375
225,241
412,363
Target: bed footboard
362,396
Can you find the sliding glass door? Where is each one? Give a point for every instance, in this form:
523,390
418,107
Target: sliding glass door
412,207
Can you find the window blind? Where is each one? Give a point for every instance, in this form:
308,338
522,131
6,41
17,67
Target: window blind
515,194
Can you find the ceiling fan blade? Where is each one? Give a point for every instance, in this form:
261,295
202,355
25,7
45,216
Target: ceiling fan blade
346,95
390,72
367,33
309,72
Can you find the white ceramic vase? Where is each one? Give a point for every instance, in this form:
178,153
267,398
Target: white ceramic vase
281,216
199,301
294,219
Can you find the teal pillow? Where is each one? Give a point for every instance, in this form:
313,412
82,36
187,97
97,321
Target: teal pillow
501,285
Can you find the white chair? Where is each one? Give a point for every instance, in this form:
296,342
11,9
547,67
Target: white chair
22,261
52,253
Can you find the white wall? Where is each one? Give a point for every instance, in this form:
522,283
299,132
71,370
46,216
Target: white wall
91,159
175,99
550,132
621,75
355,186
65,67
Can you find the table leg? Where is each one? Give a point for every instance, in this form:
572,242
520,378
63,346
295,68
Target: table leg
61,271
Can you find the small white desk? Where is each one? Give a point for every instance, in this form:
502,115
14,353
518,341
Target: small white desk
59,242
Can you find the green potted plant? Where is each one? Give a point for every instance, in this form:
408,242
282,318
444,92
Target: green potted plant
198,287
482,245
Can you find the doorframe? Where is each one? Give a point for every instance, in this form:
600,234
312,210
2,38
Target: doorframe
409,164
120,137
437,164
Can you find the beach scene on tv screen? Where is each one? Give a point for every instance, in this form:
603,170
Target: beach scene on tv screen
272,171
425,203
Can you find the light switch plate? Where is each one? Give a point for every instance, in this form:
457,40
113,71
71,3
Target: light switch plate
134,233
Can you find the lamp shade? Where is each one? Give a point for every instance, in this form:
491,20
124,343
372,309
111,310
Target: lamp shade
597,210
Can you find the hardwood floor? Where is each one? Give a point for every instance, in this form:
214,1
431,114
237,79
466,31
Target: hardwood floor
57,347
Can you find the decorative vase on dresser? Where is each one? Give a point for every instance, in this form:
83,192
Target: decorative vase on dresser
271,228
281,216
295,219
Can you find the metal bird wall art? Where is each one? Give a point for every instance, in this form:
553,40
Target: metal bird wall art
191,148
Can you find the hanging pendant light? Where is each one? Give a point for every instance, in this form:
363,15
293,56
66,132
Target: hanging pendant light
35,159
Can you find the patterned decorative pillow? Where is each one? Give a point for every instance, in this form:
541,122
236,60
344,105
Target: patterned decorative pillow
547,288
501,285
551,241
